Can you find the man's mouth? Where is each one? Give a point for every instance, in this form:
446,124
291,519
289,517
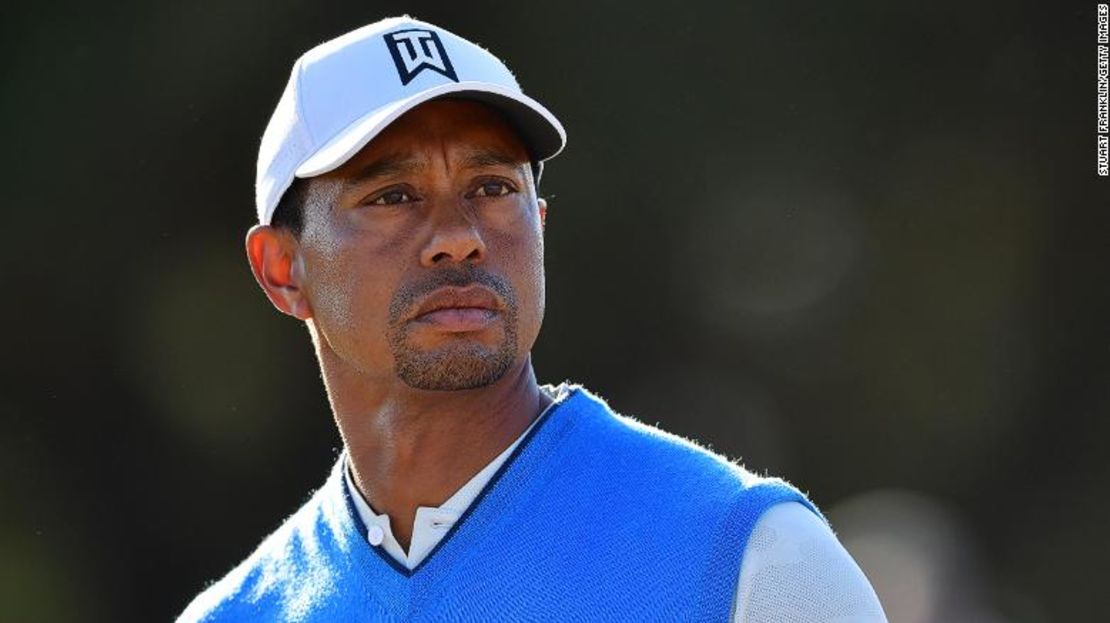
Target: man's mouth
459,310
459,319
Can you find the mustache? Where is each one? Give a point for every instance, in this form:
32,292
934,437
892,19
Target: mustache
411,293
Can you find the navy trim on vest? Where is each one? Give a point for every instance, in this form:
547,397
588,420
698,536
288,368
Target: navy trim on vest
352,510
595,516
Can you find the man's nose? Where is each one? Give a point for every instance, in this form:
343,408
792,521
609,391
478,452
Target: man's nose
455,239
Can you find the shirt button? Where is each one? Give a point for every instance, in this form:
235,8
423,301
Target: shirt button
375,535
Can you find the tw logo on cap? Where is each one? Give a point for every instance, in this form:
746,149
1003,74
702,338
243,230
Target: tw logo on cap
415,50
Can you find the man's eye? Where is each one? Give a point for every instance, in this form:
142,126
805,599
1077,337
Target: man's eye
493,189
392,197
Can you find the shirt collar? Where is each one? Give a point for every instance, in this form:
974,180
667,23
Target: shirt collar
432,522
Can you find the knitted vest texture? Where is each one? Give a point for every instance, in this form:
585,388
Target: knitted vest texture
594,517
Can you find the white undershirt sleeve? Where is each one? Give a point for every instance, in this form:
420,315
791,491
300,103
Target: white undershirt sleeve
795,570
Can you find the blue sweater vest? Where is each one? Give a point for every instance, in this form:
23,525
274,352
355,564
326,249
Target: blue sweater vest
594,517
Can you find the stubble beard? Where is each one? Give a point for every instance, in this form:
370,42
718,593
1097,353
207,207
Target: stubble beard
463,363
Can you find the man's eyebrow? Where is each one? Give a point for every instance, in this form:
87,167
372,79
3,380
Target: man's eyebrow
400,163
388,165
491,158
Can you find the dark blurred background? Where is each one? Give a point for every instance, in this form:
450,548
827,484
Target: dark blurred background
859,245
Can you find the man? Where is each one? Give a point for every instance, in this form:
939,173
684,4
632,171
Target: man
399,219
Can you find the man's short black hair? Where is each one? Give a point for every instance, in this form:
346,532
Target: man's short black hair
289,213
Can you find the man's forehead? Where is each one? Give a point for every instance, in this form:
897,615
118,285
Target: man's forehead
467,133
451,117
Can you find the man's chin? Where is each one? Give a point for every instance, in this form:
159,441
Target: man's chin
453,368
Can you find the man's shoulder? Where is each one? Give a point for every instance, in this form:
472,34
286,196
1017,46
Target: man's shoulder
672,464
284,567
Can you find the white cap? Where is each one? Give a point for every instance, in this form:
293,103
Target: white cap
342,93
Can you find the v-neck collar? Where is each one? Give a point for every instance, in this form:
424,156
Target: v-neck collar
565,395
424,535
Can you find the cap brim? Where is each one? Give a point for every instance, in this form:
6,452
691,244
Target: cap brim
541,131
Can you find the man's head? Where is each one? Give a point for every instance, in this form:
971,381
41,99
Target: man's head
413,249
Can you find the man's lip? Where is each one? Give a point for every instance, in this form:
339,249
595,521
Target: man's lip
459,319
459,301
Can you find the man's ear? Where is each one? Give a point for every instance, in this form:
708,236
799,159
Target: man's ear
277,264
543,211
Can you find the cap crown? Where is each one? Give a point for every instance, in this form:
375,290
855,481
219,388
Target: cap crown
341,93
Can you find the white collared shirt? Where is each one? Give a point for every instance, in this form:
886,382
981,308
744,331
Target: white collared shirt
794,569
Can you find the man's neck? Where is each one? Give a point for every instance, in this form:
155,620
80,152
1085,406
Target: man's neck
410,448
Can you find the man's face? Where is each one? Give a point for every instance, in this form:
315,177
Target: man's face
423,254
